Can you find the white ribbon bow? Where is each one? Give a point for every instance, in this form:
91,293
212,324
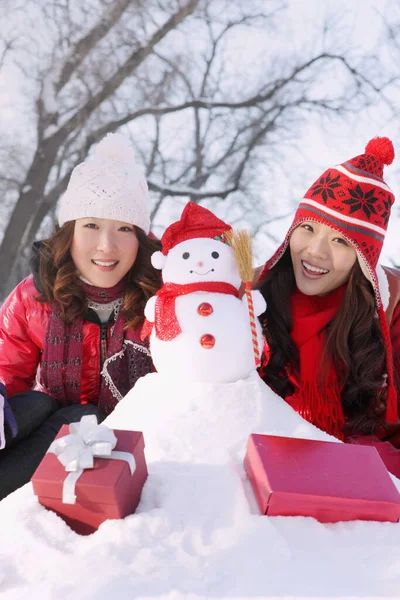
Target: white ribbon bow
86,441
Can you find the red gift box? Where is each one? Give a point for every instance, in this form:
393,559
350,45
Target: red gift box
107,491
325,480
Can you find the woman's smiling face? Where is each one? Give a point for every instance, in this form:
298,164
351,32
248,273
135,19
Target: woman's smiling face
103,250
322,258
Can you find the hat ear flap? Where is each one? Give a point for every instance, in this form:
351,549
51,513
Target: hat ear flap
158,260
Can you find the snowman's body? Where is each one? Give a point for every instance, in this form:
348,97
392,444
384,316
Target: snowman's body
214,342
208,318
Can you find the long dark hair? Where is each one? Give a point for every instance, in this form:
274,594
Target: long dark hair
59,281
354,345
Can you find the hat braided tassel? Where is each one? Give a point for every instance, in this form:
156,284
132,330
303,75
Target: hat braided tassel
392,415
241,244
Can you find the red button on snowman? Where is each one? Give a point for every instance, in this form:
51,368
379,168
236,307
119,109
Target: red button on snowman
200,326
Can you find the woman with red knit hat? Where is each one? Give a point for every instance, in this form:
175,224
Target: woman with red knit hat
332,324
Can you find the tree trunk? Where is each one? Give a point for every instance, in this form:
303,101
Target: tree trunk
21,224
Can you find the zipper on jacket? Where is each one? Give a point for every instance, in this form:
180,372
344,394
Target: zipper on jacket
103,344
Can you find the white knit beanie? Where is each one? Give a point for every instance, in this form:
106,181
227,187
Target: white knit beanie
108,185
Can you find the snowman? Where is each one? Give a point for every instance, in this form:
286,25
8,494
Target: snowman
206,396
199,323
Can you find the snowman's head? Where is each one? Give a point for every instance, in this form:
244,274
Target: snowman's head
198,260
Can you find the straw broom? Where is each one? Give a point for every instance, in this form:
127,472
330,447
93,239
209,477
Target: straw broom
242,246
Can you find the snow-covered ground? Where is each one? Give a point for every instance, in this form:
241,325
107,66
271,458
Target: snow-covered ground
197,532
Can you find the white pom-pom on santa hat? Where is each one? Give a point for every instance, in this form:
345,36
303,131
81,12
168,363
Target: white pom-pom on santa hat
158,260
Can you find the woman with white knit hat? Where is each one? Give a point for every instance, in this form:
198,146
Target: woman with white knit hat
74,324
332,324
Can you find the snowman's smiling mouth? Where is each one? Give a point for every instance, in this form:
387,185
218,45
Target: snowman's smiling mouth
202,274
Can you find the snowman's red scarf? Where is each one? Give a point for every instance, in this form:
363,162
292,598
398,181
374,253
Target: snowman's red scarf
165,321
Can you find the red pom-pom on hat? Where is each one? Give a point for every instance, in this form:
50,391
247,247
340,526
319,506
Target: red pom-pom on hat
382,149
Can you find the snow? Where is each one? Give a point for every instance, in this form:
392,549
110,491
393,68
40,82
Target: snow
197,533
50,130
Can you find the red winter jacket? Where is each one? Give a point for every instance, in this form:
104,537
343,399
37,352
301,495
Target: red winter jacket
23,325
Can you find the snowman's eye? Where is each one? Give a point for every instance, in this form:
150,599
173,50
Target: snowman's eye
185,255
215,254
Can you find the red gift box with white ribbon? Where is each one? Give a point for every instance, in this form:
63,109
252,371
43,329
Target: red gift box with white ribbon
325,480
91,473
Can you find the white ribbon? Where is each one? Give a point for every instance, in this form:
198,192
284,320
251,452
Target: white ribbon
76,451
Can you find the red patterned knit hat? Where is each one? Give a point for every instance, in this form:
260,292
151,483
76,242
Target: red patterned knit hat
353,199
195,222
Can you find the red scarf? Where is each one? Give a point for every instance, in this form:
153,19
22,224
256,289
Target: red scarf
60,369
320,406
165,320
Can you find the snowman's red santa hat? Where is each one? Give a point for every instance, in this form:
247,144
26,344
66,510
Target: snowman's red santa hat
195,222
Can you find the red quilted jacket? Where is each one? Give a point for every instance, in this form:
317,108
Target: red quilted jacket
23,325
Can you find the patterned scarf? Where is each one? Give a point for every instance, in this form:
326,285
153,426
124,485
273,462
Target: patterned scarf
60,370
165,320
322,407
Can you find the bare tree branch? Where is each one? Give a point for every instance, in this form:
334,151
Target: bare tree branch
84,46
129,66
189,191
